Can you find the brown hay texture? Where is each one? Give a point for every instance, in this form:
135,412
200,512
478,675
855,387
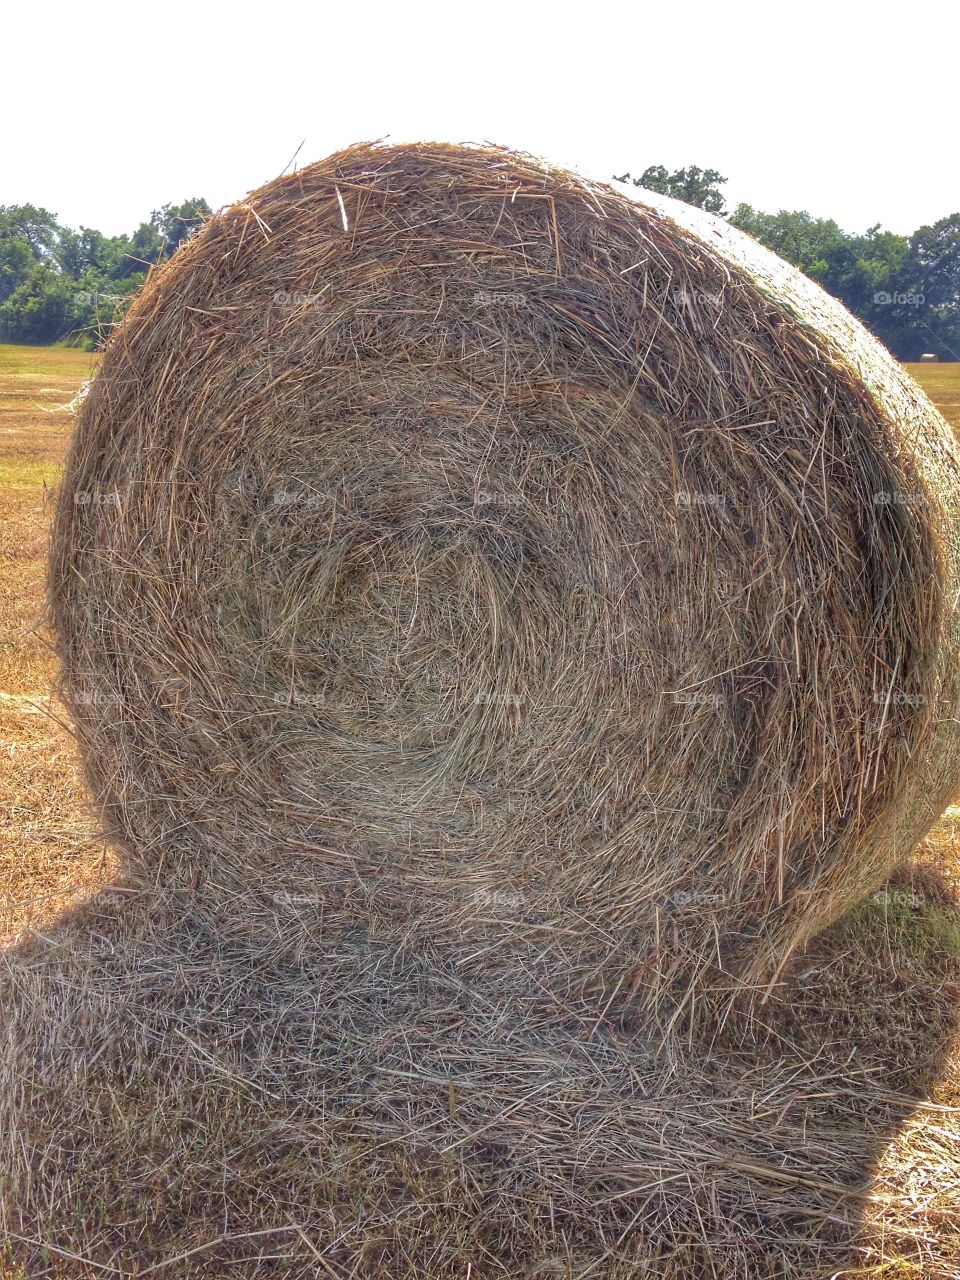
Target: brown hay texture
502,620
549,564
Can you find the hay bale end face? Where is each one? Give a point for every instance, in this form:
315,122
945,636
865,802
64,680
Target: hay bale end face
560,568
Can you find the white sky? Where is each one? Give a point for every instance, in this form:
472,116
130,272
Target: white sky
846,109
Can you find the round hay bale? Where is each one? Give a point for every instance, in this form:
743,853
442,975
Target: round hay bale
462,541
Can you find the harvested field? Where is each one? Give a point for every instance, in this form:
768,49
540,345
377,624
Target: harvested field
209,1074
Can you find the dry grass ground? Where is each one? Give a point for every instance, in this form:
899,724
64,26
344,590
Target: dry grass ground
941,382
48,854
882,990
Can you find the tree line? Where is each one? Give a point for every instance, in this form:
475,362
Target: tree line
905,289
62,285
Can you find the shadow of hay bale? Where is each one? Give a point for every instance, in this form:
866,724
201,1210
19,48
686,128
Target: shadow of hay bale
200,1087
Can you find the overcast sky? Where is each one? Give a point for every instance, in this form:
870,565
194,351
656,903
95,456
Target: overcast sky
847,110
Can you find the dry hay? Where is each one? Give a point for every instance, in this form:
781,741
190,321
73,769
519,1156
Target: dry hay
528,559
188,1089
499,618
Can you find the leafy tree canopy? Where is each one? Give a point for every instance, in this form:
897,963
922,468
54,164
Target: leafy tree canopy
906,289
693,185
60,284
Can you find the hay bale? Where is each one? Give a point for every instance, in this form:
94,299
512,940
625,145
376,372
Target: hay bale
519,564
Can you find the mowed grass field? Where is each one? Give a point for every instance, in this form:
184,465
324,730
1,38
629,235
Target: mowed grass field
48,852
887,977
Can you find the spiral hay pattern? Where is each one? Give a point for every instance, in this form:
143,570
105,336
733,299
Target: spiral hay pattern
522,566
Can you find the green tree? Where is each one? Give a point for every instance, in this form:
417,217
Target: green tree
146,247
692,185
864,272
37,227
60,284
809,243
157,240
16,264
78,251
928,292
36,310
934,261
178,222
97,304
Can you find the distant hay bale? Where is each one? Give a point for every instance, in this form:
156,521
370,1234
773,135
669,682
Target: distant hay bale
520,564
